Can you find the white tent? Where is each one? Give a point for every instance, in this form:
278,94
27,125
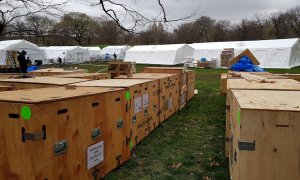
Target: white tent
69,54
277,53
33,51
95,52
169,54
110,50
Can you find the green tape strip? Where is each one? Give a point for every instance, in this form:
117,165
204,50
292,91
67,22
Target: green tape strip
131,144
239,117
26,113
127,95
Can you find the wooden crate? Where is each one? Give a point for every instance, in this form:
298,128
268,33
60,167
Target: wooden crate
91,76
39,82
168,92
265,137
47,133
242,84
223,83
180,71
138,94
191,82
55,71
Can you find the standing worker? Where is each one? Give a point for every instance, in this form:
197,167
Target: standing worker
59,61
115,56
22,61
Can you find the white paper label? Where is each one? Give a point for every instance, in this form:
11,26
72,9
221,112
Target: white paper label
95,154
170,103
145,100
137,104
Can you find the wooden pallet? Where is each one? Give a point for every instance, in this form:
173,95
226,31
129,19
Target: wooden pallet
117,68
46,133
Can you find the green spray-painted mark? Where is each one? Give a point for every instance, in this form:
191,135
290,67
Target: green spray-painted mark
127,95
131,144
239,117
26,113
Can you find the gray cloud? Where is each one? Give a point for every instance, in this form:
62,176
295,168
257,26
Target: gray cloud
233,10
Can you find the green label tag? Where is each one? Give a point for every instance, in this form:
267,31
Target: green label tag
26,113
239,117
127,95
131,144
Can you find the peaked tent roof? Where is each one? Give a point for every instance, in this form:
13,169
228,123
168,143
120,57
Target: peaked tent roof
33,51
169,54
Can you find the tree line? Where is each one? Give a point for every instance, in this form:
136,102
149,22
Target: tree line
80,29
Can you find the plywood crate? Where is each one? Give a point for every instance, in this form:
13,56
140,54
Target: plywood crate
56,71
91,76
138,95
242,84
181,71
168,92
265,137
39,82
191,82
48,133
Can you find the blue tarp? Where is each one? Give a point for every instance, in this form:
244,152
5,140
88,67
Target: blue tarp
32,68
245,64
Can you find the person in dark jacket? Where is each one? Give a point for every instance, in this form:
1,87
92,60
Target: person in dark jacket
22,61
115,56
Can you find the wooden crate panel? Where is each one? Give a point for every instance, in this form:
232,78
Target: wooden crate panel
264,135
61,120
39,82
91,76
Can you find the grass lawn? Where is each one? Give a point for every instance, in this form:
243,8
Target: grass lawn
190,144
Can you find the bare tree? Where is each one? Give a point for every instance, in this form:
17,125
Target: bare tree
11,10
77,25
136,20
294,20
40,26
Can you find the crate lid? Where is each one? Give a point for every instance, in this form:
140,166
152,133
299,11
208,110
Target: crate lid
268,100
78,75
112,83
146,76
55,70
279,84
51,94
45,80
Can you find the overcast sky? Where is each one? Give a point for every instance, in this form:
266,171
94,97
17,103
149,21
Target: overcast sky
233,10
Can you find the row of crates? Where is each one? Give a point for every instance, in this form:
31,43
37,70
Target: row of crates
75,127
262,126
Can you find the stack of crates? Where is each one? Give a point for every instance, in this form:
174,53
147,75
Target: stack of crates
181,72
259,116
74,126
